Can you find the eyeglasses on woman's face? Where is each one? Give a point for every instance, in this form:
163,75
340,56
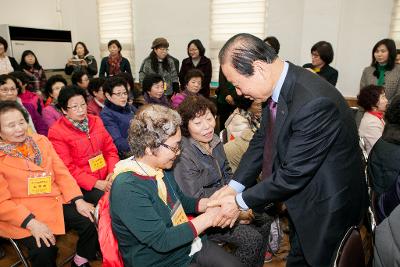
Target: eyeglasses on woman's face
176,149
77,107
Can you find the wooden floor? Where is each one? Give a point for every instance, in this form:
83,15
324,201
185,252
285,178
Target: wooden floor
67,243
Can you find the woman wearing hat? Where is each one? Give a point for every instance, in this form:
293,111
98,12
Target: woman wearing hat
115,63
159,62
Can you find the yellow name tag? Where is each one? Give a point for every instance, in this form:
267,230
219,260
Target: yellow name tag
178,214
39,185
96,163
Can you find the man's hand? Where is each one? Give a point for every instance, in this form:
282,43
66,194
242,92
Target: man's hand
224,191
229,211
84,208
39,231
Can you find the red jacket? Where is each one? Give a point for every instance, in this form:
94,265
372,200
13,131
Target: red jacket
93,108
75,148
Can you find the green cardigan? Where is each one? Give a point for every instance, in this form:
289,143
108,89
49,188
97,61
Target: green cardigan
142,224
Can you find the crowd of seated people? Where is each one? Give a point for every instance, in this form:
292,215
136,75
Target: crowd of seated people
91,127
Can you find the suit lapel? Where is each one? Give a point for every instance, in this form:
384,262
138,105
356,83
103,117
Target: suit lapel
282,109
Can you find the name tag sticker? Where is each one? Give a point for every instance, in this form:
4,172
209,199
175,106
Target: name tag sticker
178,215
96,163
39,185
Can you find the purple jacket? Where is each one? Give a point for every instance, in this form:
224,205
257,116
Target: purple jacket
178,98
51,115
40,125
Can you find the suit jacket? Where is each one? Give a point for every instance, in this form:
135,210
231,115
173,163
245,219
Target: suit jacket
317,168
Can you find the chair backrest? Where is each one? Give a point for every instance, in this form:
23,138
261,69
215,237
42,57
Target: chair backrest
373,207
223,135
350,252
361,142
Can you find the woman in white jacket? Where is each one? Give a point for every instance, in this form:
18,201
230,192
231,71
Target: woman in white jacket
373,99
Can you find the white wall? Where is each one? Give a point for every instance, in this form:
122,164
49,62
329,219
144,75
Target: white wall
353,27
58,15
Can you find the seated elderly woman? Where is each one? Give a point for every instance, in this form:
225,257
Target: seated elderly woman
153,90
117,113
383,164
9,89
38,196
240,128
148,210
52,112
372,98
84,145
202,169
193,81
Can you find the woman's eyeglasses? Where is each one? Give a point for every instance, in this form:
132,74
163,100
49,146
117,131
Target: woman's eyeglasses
173,149
77,107
121,94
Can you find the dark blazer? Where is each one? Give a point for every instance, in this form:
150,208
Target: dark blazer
205,66
14,64
327,72
317,168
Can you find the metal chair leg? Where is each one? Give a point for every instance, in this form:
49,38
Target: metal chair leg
20,254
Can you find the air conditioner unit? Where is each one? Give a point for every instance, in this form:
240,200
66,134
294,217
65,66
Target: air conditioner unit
51,47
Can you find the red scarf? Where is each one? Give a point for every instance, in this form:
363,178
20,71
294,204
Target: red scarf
114,64
378,114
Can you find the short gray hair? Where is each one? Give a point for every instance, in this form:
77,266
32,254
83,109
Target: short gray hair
152,126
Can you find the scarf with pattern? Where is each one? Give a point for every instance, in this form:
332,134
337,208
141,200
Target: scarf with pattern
26,150
114,63
82,126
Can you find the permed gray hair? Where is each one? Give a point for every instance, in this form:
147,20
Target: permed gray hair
152,126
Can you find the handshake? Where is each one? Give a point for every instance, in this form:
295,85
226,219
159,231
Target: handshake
223,208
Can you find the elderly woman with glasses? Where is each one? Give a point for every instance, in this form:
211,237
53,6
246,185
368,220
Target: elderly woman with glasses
117,113
203,168
38,196
149,211
9,90
84,144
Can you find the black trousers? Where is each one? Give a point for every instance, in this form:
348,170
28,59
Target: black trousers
212,255
87,244
93,196
296,255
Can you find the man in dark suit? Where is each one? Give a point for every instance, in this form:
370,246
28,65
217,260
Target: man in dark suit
307,149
